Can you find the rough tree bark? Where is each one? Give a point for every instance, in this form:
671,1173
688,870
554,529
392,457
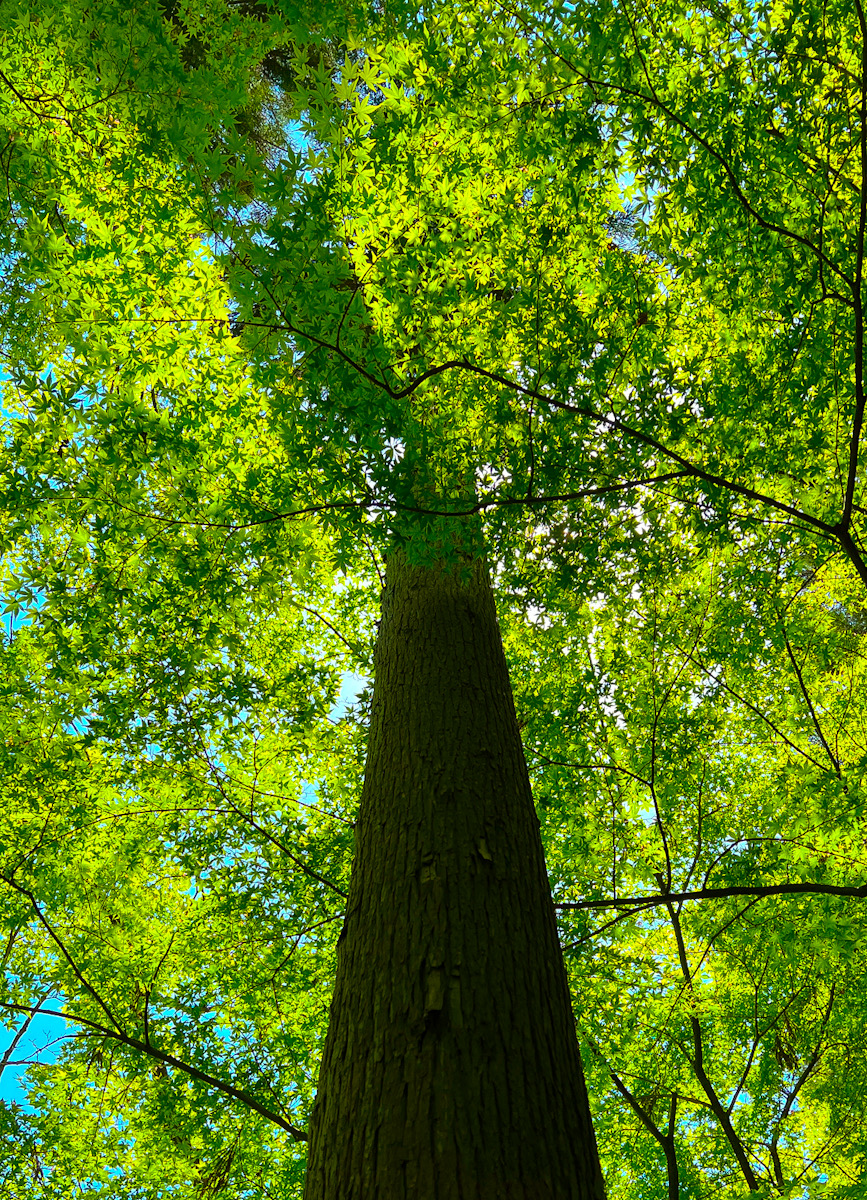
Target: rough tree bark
451,1069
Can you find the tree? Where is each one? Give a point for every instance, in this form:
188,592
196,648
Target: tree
442,321
450,1066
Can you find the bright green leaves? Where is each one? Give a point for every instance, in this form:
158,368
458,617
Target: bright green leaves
705,732
753,220
191,902
171,714
237,370
382,286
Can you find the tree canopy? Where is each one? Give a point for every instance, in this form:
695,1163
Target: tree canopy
285,291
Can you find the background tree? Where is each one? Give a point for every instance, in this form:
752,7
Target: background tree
661,419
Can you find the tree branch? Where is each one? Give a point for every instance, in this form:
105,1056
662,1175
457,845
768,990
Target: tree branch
858,417
666,1140
721,893
809,702
697,1059
152,1051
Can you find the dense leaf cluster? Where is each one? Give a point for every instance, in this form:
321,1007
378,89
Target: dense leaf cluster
285,291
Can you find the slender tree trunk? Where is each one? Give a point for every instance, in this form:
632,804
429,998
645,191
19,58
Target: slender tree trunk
451,1069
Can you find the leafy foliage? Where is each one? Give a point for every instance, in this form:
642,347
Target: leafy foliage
283,292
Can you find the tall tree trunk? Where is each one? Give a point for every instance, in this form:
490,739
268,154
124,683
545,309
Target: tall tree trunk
451,1069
